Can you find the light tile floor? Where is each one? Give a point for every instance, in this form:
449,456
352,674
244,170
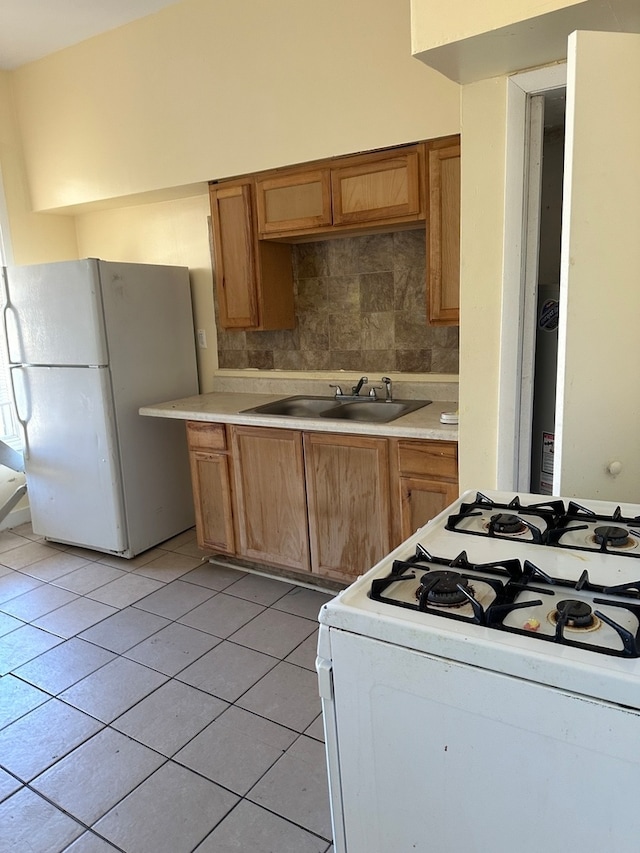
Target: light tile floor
156,705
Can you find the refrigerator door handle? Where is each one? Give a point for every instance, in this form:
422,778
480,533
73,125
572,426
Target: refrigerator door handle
22,420
7,311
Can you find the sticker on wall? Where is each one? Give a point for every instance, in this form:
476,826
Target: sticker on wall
548,440
546,485
549,315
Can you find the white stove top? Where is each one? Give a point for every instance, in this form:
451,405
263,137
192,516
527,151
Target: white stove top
509,623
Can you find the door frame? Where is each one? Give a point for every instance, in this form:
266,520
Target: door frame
516,343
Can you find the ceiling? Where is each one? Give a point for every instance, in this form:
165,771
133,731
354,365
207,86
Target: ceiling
31,29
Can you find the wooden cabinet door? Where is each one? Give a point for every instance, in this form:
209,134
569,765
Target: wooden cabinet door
421,500
254,279
294,201
211,483
348,495
378,190
270,496
212,499
424,481
443,262
235,256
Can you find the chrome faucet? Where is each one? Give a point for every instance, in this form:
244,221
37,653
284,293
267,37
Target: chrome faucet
387,382
357,388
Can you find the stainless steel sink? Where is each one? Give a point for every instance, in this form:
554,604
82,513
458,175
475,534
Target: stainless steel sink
364,410
295,407
375,411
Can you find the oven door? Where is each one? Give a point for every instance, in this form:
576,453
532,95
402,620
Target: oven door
439,757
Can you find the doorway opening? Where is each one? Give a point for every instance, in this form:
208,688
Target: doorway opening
530,95
547,294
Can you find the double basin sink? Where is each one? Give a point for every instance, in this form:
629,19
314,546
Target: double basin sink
361,409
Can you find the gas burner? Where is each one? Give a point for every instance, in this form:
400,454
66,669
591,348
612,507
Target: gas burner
579,615
610,536
506,522
441,587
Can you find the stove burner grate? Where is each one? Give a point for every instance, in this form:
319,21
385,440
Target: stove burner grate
548,523
455,581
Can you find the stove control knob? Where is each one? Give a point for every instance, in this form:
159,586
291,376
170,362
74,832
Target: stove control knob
614,468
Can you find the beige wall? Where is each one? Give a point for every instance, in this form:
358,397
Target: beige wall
203,90
435,23
33,237
482,215
171,232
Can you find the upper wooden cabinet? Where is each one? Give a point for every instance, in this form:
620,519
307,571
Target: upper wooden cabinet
294,201
256,217
254,279
384,189
443,231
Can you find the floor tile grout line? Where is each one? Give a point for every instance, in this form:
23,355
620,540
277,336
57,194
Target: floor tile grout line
174,677
166,760
53,610
244,799
171,621
86,827
143,698
168,677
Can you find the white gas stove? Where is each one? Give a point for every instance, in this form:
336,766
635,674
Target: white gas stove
502,638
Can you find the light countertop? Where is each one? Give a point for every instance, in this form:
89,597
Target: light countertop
228,407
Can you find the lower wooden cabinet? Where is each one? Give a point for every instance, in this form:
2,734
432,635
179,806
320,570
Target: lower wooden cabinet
420,501
348,494
424,481
211,483
325,503
270,496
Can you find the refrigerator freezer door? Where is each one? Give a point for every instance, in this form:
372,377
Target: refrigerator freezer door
149,326
72,468
55,314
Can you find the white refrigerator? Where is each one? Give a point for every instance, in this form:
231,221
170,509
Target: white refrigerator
89,343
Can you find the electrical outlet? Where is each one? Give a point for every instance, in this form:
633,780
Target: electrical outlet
202,339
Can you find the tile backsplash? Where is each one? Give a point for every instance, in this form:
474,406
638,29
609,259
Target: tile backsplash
360,305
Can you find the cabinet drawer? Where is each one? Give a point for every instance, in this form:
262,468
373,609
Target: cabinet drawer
428,458
205,436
